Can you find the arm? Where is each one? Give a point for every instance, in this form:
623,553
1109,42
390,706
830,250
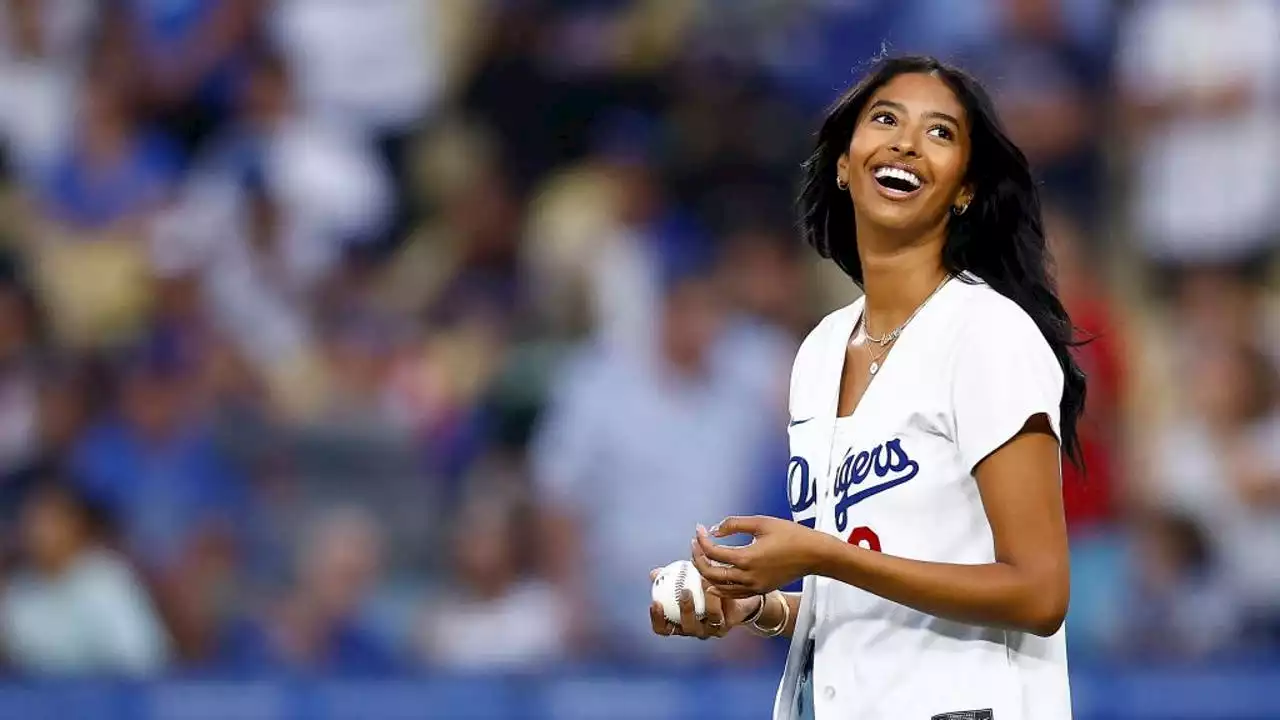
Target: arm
1025,589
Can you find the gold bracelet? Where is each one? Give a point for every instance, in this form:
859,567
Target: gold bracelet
782,625
755,614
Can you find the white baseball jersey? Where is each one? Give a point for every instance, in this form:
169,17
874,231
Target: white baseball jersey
897,476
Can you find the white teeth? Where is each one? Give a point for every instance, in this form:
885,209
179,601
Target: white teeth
893,172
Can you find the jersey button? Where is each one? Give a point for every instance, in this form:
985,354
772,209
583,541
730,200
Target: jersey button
829,692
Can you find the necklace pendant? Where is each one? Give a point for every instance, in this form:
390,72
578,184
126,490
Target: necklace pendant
875,367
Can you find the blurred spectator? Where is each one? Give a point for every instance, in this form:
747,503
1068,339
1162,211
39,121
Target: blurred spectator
62,406
375,68
114,170
323,624
188,56
1223,305
493,616
1180,609
43,44
626,431
813,47
1049,86
156,465
1219,464
312,186
76,607
946,28
549,72
1200,81
202,605
463,266
212,257
650,234
20,339
370,68
765,279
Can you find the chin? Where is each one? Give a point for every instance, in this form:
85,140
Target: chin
900,217
896,216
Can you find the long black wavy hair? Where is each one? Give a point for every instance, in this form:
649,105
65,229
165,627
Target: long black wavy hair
1000,239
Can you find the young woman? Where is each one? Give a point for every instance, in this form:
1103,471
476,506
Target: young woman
928,420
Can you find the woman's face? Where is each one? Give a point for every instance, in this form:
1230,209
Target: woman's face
906,161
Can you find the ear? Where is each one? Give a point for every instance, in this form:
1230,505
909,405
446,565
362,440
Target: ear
842,167
964,197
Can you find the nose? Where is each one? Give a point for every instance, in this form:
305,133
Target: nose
904,147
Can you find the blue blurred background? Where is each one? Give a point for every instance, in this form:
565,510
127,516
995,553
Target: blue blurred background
358,358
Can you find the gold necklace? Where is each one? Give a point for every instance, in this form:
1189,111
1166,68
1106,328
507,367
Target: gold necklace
885,341
874,367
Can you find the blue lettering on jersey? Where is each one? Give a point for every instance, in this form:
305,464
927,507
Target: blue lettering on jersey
802,492
887,460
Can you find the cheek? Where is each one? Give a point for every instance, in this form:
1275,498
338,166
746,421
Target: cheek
861,147
948,168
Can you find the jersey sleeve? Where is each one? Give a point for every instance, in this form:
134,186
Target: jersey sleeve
1005,374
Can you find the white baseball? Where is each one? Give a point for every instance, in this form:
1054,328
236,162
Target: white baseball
671,581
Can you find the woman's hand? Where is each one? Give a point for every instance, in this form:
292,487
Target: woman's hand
780,553
722,614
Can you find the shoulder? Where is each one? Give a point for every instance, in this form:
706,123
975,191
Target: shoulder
811,347
832,323
983,315
990,331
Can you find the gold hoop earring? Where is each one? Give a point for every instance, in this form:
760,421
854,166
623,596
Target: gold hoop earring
840,183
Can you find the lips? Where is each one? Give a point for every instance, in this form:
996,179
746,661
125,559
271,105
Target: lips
897,181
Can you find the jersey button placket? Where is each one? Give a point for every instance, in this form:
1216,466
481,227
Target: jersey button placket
825,523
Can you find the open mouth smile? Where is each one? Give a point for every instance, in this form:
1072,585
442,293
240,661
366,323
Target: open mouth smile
897,182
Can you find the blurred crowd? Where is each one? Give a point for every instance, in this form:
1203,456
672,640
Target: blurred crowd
398,335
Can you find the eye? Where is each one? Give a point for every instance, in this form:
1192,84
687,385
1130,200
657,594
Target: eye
883,118
943,132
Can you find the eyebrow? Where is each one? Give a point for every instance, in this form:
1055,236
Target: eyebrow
903,109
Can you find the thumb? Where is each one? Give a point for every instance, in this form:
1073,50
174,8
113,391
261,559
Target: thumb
738,525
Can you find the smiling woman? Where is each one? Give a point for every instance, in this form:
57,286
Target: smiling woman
928,422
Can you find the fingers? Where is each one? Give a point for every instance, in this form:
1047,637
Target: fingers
714,620
738,525
659,621
689,623
719,575
721,554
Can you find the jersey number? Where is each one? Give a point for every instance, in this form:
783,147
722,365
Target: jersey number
865,537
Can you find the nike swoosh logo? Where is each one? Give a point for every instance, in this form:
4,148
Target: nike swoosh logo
794,423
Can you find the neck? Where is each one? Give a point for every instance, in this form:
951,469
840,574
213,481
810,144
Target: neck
896,281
